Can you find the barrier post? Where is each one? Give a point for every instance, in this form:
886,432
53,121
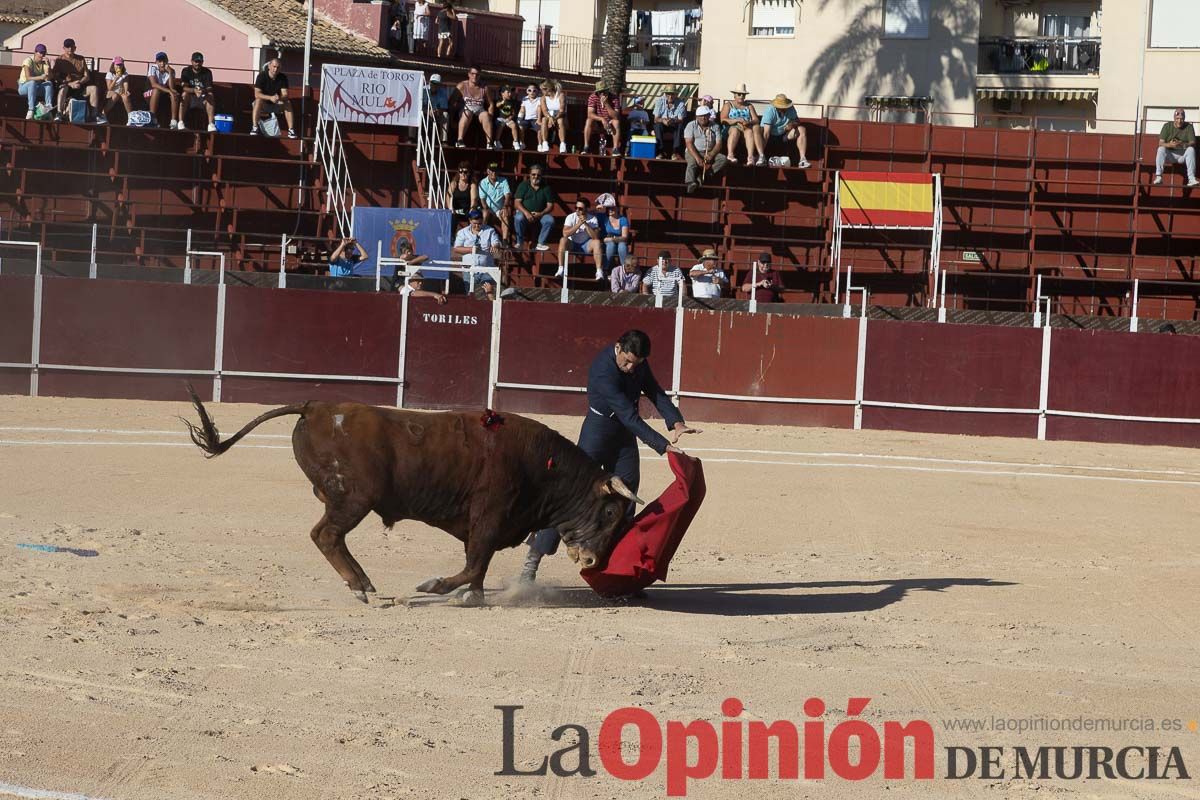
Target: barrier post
92,263
378,259
565,266
283,241
860,365
219,346
187,259
1133,319
754,287
400,366
677,356
494,345
1044,384
36,348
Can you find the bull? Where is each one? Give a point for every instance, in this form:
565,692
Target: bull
487,481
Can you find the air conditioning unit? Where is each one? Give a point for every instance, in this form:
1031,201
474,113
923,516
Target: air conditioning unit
1007,105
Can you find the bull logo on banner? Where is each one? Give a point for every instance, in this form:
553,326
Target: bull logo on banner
372,95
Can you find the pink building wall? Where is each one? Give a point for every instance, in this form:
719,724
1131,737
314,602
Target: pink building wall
137,29
365,17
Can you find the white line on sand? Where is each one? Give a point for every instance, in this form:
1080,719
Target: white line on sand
122,432
130,444
40,794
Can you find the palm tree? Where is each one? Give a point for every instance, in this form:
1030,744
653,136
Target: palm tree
616,44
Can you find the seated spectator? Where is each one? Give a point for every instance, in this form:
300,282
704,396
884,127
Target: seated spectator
346,257
669,114
742,125
447,19
506,110
708,279
71,74
581,237
553,115
408,258
703,142
604,113
439,98
422,12
663,279
196,91
35,81
614,230
117,83
495,198
529,115
462,195
413,289
476,105
271,97
533,200
639,118
162,84
781,126
1177,141
626,277
478,246
768,285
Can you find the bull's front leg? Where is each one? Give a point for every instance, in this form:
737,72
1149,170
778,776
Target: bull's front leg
480,550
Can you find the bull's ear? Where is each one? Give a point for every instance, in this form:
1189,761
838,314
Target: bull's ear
615,485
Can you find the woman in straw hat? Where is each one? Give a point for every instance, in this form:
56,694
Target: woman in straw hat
781,124
741,121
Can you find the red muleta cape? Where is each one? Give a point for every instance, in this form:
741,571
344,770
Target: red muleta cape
644,551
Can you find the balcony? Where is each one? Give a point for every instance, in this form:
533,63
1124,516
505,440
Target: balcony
678,53
1039,55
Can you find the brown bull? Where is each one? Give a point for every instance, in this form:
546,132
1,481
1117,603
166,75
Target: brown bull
487,481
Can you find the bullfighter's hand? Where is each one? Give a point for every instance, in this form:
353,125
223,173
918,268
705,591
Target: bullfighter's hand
673,449
680,429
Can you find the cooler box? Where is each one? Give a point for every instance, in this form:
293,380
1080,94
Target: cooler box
78,111
224,123
641,147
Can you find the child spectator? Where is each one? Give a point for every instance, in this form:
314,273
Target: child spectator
35,81
529,116
506,117
117,81
639,118
162,84
196,83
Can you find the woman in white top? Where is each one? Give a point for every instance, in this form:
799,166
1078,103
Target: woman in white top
421,16
553,113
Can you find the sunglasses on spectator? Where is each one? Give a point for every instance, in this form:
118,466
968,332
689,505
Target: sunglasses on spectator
463,171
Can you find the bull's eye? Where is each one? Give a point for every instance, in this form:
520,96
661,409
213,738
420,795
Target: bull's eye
610,512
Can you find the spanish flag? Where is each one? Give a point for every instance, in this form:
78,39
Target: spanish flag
894,199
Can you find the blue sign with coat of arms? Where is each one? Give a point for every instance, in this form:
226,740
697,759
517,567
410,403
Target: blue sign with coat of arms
427,231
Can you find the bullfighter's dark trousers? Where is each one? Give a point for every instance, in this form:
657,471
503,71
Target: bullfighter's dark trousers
615,448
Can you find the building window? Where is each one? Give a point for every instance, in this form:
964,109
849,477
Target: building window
1175,23
538,12
906,19
1066,25
773,17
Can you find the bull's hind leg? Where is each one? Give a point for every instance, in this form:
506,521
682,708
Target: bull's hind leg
329,535
479,556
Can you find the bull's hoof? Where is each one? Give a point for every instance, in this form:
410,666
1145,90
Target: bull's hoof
472,598
432,586
360,595
369,588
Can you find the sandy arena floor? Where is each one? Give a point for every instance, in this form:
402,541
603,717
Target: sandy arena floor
209,651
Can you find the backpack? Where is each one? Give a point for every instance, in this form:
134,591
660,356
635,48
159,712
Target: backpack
140,119
269,126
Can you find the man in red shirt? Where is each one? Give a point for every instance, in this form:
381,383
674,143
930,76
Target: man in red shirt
603,112
768,287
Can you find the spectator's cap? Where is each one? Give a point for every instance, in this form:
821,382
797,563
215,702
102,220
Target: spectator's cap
416,275
740,89
637,101
435,78
781,102
606,200
475,213
601,86
671,90
118,61
198,56
764,257
41,48
160,56
493,167
68,42
707,99
707,254
703,111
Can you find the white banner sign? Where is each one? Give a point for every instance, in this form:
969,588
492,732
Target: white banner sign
375,95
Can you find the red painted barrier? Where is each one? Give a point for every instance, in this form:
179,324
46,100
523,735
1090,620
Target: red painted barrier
1146,375
760,355
16,331
952,365
446,359
553,344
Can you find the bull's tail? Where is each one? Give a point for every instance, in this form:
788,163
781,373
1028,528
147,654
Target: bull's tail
208,439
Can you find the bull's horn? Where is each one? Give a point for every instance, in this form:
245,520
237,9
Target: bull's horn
617,485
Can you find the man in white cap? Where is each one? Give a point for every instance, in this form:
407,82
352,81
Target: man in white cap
702,146
439,97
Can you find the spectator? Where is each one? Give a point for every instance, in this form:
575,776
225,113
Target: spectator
663,279
421,28
196,84
35,81
71,73
533,200
117,83
271,97
413,289
479,246
1177,141
669,114
476,105
528,117
553,115
614,230
703,142
506,109
626,277
446,20
398,25
639,118
346,257
768,285
604,113
496,201
439,98
581,236
742,124
162,83
708,279
407,257
463,194
781,125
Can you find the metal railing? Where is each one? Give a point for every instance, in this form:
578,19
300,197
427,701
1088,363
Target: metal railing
663,52
1002,55
430,154
573,54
